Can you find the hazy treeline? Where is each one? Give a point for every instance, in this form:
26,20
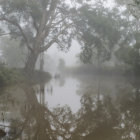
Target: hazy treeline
105,34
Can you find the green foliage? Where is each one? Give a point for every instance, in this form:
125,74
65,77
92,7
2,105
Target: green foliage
132,7
9,76
38,24
130,56
30,13
86,54
99,31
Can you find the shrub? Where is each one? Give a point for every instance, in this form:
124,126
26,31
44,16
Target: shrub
9,76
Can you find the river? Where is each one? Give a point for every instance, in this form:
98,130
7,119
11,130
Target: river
75,107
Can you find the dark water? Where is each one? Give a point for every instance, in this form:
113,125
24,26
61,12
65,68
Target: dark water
72,108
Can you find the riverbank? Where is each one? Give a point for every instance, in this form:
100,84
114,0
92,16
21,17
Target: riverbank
12,76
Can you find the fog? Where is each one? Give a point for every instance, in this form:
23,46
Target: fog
69,70
70,56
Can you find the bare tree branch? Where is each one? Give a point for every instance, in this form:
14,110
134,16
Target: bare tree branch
20,29
46,16
57,23
42,49
55,38
34,23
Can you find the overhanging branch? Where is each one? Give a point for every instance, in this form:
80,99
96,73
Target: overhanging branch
47,46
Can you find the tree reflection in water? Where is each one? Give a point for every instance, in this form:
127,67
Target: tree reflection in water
104,119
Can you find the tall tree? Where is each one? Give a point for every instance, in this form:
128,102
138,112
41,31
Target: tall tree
99,31
39,24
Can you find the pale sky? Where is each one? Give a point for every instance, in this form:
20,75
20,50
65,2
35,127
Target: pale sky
109,3
69,57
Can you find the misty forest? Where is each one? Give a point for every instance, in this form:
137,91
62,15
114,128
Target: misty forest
69,69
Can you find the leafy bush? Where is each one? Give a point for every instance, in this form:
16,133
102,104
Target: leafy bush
9,76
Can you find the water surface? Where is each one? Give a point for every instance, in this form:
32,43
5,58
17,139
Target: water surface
73,108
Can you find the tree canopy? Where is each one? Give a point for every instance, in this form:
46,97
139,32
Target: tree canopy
39,24
99,31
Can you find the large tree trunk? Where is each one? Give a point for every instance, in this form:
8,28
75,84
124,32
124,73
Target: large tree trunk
31,61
